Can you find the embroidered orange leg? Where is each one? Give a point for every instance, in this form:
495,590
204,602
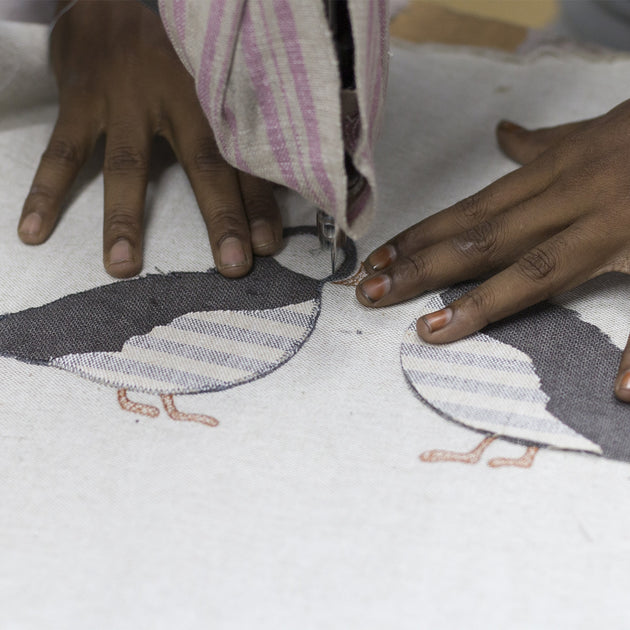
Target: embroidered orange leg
176,414
136,407
472,457
354,280
525,461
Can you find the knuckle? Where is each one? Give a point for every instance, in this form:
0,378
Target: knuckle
538,264
41,193
126,159
42,199
38,203
259,205
480,240
121,220
207,159
63,152
226,219
471,210
482,302
573,148
414,269
575,143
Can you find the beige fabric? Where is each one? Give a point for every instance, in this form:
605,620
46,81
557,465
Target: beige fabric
307,506
267,78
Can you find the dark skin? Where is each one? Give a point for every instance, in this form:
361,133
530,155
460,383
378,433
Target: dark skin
119,77
543,229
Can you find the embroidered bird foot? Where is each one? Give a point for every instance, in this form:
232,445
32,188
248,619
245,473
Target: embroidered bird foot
136,407
525,461
180,416
472,457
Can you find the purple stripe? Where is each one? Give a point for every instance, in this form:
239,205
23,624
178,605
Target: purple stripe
213,28
375,80
124,369
264,95
230,120
383,63
287,101
228,58
213,103
293,50
359,204
179,15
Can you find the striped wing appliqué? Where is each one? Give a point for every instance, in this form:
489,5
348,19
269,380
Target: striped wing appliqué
486,385
201,352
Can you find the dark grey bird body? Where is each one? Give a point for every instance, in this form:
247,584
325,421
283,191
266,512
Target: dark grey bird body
576,364
102,319
178,332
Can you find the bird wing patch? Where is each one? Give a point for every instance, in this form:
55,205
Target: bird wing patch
201,352
487,385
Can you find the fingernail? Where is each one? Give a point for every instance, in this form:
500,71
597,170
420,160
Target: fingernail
231,253
262,234
624,381
120,252
382,257
376,288
436,321
31,225
508,125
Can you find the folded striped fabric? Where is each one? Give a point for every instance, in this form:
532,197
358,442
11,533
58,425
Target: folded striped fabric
267,78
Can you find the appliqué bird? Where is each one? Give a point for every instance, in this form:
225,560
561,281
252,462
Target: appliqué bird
543,378
177,333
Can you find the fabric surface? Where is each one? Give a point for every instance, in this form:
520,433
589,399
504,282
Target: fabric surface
307,505
166,335
543,376
268,80
488,386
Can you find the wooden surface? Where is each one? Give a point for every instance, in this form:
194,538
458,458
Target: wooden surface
501,24
529,13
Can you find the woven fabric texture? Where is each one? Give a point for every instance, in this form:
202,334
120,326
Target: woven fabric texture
307,505
268,80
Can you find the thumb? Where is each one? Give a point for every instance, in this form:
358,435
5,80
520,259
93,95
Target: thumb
523,145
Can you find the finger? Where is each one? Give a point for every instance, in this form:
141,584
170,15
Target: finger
487,246
509,190
125,174
265,223
70,144
556,265
523,145
217,190
622,382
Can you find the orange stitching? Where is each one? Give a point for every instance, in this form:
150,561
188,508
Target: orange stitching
472,457
354,280
136,407
176,414
524,461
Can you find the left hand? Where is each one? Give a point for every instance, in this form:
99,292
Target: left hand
561,219
119,77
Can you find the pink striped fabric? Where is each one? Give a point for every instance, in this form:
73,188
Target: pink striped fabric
267,79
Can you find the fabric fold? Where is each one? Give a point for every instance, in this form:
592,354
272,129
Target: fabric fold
267,78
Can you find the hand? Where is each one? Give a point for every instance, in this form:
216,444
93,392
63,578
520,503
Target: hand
119,76
561,219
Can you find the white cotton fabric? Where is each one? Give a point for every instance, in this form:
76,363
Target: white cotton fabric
307,507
